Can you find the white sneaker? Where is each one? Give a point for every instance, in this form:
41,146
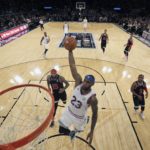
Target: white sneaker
126,59
135,111
44,56
142,115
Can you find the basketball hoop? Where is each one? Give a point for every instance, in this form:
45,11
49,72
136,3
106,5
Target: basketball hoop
28,138
80,5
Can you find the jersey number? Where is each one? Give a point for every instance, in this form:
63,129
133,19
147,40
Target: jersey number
77,104
54,86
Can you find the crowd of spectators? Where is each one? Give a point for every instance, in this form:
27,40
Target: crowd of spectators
135,25
29,14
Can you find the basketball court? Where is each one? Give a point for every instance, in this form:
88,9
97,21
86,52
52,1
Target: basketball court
117,128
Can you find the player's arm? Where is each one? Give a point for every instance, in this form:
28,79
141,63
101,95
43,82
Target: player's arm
41,40
62,79
100,37
146,91
73,69
48,82
94,106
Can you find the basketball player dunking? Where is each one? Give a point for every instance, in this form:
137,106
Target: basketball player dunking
83,96
128,47
104,40
45,42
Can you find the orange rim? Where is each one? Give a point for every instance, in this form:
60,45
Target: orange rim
25,140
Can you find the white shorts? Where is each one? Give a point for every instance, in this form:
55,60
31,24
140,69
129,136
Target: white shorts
46,46
69,120
65,30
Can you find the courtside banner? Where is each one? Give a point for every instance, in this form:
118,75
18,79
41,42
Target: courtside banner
11,32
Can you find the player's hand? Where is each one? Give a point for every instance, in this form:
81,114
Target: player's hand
90,137
61,90
146,96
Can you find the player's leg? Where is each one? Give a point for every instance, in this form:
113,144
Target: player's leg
46,50
102,47
42,27
136,103
56,98
65,122
126,53
63,97
142,108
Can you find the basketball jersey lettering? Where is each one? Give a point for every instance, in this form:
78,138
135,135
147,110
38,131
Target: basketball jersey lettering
104,37
140,88
54,86
77,104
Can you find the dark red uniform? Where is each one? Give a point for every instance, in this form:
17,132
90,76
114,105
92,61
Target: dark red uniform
128,47
139,90
56,85
104,38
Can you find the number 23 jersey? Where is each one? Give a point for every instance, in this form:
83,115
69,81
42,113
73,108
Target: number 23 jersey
79,103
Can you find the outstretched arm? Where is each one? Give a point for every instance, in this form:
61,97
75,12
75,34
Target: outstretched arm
41,40
73,69
48,82
93,102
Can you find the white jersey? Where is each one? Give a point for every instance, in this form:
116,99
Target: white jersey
66,28
75,112
45,40
41,22
85,23
79,103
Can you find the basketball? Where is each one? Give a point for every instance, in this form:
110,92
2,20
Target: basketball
70,43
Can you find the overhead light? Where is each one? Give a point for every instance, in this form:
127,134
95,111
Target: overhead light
18,79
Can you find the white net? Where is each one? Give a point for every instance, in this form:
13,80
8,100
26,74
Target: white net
23,110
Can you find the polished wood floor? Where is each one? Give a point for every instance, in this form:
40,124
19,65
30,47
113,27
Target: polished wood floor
118,128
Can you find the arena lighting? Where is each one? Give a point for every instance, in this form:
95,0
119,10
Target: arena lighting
117,8
47,7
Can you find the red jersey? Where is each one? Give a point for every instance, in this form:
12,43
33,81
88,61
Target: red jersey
104,37
130,43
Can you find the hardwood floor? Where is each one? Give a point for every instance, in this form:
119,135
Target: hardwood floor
118,128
